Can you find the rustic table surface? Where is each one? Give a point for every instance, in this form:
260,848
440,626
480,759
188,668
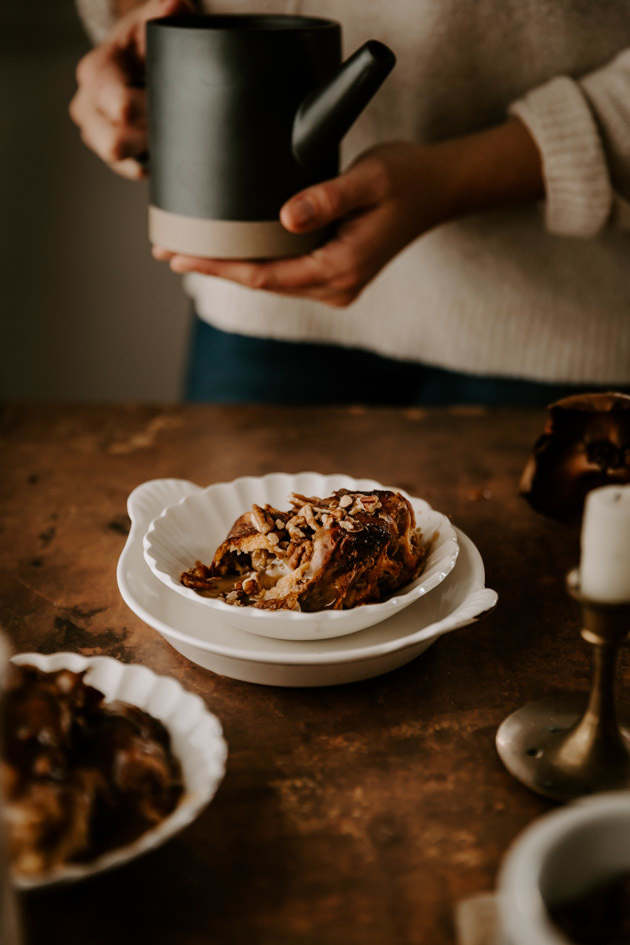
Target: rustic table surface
348,815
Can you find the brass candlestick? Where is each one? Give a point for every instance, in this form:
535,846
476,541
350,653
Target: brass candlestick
562,749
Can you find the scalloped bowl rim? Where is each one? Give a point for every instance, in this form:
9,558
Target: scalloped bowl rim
370,614
198,790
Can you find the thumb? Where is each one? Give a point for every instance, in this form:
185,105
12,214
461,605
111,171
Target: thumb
331,200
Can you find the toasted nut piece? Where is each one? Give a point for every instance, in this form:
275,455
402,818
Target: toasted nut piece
350,525
259,557
307,511
295,558
261,520
250,584
298,500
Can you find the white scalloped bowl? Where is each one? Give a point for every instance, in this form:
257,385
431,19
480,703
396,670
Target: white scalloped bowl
196,739
193,528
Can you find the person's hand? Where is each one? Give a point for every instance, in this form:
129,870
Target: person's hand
392,194
110,103
378,205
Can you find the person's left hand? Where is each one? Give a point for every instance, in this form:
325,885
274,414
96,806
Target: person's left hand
387,198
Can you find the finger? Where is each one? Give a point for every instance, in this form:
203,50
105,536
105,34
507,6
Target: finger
338,293
283,276
111,142
129,168
297,277
336,265
260,276
292,274
335,273
331,200
164,255
279,272
106,78
116,97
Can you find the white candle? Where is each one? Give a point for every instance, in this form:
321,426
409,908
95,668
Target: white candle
605,560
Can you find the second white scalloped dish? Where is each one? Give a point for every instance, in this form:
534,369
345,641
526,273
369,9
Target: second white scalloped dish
194,527
196,737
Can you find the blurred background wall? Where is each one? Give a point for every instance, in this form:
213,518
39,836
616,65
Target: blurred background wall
86,313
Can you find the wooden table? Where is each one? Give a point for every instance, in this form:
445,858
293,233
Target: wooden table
350,815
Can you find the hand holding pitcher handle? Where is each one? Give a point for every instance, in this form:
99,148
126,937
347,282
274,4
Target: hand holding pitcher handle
109,105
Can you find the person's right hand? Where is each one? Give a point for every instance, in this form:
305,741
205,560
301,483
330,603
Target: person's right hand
109,105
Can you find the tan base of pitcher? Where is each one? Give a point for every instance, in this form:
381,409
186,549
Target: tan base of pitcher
226,239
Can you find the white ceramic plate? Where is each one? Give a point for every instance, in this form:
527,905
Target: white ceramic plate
206,640
194,527
196,739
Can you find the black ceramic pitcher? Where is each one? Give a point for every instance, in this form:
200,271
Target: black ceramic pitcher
245,111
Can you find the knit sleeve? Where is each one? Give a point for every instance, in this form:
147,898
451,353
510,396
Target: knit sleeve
608,93
582,129
98,17
577,183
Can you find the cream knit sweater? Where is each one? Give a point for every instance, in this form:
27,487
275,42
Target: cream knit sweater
539,292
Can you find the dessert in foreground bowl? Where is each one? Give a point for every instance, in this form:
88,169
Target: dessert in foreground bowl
104,761
80,776
338,552
191,529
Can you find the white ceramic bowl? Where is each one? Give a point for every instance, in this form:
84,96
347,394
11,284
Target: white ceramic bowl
194,527
196,738
460,600
559,857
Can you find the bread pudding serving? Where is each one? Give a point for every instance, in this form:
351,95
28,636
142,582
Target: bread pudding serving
335,553
79,775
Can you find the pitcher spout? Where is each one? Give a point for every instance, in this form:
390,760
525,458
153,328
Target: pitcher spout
327,113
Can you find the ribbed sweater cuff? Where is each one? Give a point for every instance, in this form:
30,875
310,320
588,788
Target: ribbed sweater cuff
577,184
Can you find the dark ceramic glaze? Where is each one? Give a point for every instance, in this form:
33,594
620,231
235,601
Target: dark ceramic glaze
245,111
